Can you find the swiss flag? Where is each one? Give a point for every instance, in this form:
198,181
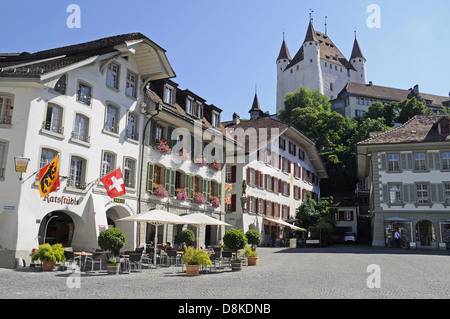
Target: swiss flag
114,183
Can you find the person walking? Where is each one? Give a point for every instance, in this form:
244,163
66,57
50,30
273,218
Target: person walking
397,239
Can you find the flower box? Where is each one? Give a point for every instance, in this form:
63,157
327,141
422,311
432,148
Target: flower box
216,165
181,194
163,146
214,200
199,198
160,191
200,160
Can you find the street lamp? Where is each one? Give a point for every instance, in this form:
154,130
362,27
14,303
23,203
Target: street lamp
151,110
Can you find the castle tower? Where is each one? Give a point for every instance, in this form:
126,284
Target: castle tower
283,60
312,71
255,111
358,61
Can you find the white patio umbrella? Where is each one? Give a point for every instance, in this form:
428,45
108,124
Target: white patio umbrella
158,218
203,220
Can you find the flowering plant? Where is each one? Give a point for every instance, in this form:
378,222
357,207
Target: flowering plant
200,160
215,201
216,165
185,155
163,146
160,191
199,198
181,193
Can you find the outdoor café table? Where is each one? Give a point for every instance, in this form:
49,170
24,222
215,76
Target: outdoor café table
82,253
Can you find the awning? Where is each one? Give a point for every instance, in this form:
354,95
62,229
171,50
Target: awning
283,223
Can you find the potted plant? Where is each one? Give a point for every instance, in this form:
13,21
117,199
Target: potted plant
193,258
112,266
254,239
112,240
181,194
216,165
187,236
235,240
199,198
160,191
163,146
49,255
215,201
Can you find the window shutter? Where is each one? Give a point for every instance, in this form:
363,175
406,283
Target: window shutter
190,188
233,174
409,160
257,205
150,176
265,207
273,184
172,143
152,141
383,162
435,193
406,198
437,159
289,167
233,202
273,209
167,179
248,176
206,189
265,180
248,204
412,193
385,194
430,160
219,192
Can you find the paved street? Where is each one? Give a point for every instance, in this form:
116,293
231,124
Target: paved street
336,272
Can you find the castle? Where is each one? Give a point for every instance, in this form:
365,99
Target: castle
318,65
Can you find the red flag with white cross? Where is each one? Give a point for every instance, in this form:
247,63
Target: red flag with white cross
114,183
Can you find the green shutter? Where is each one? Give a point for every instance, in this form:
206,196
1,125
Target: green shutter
219,191
190,187
150,176
172,143
152,141
173,176
167,178
206,188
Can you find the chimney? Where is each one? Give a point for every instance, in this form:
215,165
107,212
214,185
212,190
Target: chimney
236,119
416,89
370,83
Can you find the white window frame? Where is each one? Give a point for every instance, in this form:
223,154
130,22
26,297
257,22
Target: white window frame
393,162
129,172
6,108
395,193
84,99
77,175
422,193
3,157
132,131
112,75
112,127
81,130
108,162
132,80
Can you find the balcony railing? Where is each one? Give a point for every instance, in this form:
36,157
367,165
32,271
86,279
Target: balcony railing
5,119
52,128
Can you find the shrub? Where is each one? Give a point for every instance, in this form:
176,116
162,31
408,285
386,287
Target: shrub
187,236
249,252
194,256
253,237
47,253
235,239
112,239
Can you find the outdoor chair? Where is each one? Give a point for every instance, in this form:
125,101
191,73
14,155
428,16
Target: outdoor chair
136,261
172,256
216,262
70,257
96,258
227,255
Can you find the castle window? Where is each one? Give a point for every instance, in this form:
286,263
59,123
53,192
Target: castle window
326,64
310,60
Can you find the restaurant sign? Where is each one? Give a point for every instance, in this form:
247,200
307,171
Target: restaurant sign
63,200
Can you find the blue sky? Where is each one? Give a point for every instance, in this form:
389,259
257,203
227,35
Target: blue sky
222,49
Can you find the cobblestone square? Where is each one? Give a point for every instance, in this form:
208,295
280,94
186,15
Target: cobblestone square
337,272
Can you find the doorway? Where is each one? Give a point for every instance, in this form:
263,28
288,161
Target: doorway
425,232
56,227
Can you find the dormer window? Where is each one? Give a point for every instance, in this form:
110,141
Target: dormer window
60,86
444,127
190,106
215,119
169,94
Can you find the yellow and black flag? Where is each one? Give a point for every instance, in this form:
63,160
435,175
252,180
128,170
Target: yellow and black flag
49,177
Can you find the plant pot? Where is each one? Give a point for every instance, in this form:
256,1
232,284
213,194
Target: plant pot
192,270
252,261
236,265
48,265
113,269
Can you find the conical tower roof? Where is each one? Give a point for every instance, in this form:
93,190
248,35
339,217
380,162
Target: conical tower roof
310,34
284,52
356,52
255,106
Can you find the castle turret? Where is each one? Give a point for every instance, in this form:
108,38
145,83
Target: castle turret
255,111
312,72
283,60
359,63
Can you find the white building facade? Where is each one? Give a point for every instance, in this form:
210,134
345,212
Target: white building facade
318,65
82,103
281,169
408,171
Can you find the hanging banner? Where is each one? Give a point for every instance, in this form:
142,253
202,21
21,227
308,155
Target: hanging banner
49,177
228,188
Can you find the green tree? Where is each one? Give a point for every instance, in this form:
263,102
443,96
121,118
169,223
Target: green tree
407,109
378,111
